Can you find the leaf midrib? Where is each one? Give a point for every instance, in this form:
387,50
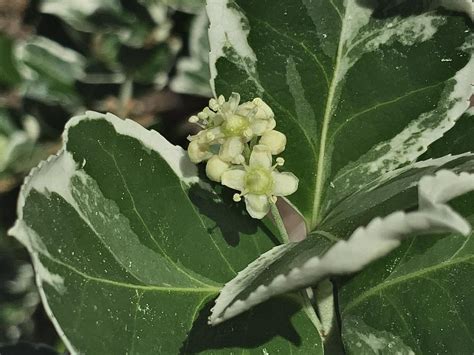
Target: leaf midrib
324,132
386,284
205,290
145,225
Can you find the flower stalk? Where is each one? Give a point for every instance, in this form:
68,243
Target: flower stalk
279,223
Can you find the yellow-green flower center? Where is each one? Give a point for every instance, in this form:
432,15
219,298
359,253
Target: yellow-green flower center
235,125
258,181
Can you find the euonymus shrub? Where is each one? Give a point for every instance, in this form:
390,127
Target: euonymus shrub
139,250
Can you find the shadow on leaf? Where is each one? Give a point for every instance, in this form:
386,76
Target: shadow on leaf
249,330
404,8
225,215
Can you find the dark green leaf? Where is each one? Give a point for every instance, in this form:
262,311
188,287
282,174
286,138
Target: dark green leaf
8,71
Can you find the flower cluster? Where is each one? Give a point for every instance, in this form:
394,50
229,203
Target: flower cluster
238,141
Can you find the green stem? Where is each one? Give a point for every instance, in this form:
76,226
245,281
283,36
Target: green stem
279,223
307,306
310,312
125,95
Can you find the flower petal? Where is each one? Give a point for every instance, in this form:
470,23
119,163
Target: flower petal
233,178
231,149
215,167
233,102
271,124
261,157
284,184
257,205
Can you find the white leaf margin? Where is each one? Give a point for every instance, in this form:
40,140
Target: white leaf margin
226,31
65,166
75,60
365,245
54,175
466,6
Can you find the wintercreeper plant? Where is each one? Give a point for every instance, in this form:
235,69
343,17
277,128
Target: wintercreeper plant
126,237
241,164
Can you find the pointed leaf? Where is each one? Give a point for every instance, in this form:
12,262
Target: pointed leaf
391,192
359,87
49,71
417,300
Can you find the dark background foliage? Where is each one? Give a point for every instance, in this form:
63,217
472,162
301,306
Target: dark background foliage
56,63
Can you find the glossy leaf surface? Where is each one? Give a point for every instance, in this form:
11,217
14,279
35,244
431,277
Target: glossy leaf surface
359,87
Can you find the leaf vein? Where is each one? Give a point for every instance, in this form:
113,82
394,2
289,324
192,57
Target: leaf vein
165,255
378,105
337,9
402,318
167,289
301,44
392,282
450,297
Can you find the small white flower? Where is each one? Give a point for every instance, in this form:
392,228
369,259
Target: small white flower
259,182
215,167
274,140
230,125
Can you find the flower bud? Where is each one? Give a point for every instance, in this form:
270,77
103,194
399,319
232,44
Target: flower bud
215,167
274,140
198,152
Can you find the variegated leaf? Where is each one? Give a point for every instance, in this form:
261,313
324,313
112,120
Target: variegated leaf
417,300
298,265
192,75
359,87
